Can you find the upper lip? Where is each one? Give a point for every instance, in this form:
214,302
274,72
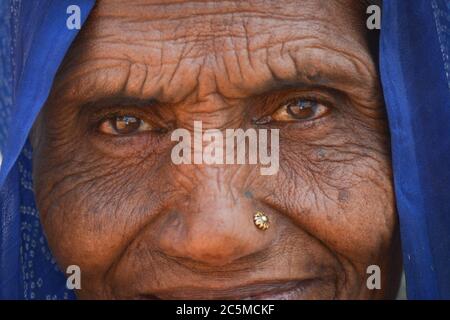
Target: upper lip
258,290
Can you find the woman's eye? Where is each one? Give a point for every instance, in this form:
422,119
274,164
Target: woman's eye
124,125
299,110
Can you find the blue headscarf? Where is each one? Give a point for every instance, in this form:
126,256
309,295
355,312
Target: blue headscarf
415,74
35,39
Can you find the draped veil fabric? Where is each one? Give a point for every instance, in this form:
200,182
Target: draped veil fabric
415,73
34,39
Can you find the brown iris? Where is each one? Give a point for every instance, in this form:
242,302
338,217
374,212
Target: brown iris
299,110
124,125
302,109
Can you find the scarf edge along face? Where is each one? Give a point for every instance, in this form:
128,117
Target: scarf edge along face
37,38
416,85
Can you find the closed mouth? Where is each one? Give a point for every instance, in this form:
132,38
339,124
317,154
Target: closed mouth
270,290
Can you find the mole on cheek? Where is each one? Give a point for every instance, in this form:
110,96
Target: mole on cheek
248,194
343,195
321,153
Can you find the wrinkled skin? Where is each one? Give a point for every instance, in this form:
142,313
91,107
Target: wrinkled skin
141,227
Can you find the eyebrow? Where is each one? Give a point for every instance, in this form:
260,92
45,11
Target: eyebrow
340,72
118,100
355,77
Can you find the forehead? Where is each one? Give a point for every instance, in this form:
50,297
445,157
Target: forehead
168,51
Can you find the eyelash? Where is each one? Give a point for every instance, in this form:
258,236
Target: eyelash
320,99
317,99
103,115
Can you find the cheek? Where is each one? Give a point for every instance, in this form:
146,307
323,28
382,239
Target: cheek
339,190
91,205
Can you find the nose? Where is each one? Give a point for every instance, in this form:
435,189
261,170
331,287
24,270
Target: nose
216,227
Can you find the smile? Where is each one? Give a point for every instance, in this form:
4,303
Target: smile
283,290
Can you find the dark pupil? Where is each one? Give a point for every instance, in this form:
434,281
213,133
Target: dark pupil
126,124
302,109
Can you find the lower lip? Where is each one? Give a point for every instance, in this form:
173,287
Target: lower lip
289,291
299,290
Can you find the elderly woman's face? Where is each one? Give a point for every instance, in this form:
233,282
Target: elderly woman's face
139,226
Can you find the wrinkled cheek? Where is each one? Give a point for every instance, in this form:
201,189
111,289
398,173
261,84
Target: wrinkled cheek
73,238
372,240
364,235
364,221
82,229
342,197
90,207
367,229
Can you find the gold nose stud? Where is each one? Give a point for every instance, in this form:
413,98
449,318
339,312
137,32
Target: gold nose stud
261,220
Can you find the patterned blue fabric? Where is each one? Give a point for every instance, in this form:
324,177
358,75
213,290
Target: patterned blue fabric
415,76
34,41
415,72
